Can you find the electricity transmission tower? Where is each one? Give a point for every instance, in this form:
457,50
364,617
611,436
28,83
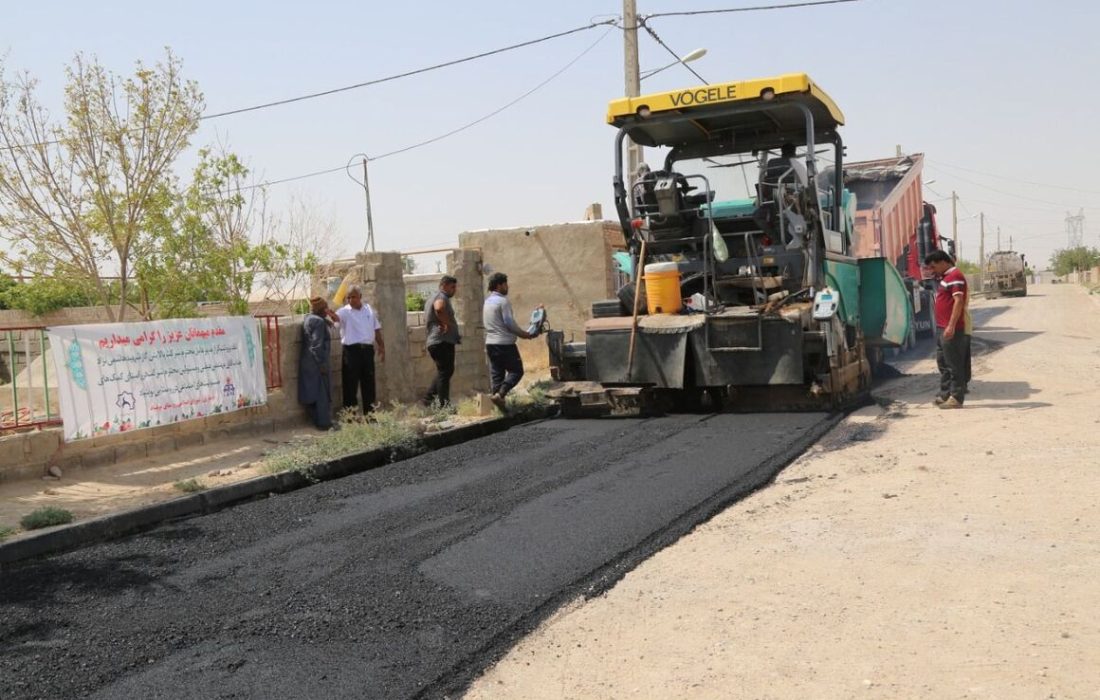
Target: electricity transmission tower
1075,229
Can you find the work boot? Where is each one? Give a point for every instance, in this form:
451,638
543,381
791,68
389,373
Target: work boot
498,401
951,402
938,401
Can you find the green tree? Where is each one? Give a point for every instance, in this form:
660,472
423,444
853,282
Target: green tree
1069,260
42,295
213,244
967,267
77,197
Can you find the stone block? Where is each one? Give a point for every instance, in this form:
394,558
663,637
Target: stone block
241,429
136,450
215,435
189,439
160,445
13,452
97,457
418,335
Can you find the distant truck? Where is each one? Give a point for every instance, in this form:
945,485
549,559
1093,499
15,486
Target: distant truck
893,221
1005,274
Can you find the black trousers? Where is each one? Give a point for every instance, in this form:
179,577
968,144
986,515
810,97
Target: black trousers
505,368
953,361
443,354
357,375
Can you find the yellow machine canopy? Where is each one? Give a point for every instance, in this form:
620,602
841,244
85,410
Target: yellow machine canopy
744,113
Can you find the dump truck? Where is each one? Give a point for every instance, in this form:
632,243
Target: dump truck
749,300
893,221
1005,274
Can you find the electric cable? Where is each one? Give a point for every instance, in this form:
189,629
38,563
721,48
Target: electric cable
757,8
1012,179
665,46
376,81
406,74
452,132
994,189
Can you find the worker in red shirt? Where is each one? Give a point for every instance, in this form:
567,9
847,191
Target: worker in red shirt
953,328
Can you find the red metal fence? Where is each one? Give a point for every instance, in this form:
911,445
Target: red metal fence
269,329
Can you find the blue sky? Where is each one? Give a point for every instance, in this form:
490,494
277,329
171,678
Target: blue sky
1002,87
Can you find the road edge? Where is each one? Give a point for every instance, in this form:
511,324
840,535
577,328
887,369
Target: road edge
74,536
454,682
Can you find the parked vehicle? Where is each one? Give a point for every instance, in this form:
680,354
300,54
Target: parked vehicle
1005,274
893,221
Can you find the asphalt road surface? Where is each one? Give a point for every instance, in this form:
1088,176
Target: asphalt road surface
401,582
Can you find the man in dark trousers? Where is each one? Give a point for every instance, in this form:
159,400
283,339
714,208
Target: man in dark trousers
361,336
314,387
501,331
442,337
953,328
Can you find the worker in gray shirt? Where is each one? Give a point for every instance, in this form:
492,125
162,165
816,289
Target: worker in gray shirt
442,337
501,331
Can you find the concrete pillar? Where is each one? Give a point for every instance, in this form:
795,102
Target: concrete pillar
384,289
471,368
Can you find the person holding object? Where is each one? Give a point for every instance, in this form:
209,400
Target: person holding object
314,381
442,337
361,337
501,331
953,326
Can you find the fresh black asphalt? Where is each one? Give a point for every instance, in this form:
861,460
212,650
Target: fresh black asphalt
401,582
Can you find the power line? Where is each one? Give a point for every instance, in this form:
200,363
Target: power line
672,53
407,74
452,132
994,189
497,111
1012,179
591,25
690,13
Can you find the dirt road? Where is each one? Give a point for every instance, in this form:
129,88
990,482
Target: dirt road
913,553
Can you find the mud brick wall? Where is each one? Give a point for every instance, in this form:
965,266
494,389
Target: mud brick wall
566,267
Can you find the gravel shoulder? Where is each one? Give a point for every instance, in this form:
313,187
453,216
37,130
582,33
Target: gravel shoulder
912,552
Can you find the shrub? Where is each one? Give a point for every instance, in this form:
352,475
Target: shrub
190,486
46,517
389,429
6,531
414,301
301,307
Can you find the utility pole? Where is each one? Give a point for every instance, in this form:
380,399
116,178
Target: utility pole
370,221
955,223
1010,243
981,255
632,71
999,238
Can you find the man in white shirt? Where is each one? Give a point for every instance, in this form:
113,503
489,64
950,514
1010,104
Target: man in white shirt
361,338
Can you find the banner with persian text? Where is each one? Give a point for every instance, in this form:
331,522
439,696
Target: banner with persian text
117,377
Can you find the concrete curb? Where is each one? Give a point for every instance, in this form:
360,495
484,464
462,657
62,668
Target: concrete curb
128,522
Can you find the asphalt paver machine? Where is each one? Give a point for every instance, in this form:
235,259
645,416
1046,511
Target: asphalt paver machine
751,302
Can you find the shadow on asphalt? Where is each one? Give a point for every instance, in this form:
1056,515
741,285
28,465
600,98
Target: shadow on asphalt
1018,405
67,580
1011,390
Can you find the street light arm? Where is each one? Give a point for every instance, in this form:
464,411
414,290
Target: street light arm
688,58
